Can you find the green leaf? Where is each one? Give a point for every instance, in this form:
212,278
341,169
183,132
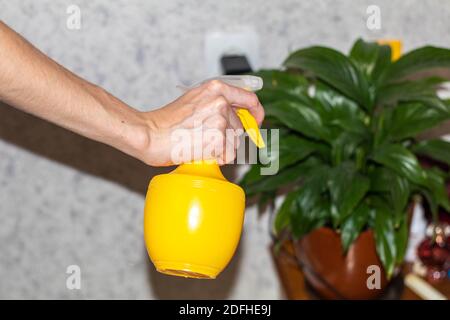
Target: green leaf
288,82
401,240
401,160
436,184
381,126
380,178
352,226
273,182
385,240
394,186
338,111
419,60
391,238
347,188
372,58
265,200
291,149
253,185
437,149
251,176
383,64
433,101
408,120
282,86
408,91
313,186
365,55
344,147
304,220
335,69
269,96
282,218
311,208
272,122
378,201
399,192
430,199
298,117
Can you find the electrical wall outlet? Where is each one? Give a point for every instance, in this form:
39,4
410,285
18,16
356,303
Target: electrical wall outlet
240,41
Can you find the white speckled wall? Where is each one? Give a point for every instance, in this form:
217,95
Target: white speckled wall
65,200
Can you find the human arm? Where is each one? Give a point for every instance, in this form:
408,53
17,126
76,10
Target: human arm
32,82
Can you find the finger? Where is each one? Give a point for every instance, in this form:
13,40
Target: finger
237,97
234,130
216,122
233,120
229,148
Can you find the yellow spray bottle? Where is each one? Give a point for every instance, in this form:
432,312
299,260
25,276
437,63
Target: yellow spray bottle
193,216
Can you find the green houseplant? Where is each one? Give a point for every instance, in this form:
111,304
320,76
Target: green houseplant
347,142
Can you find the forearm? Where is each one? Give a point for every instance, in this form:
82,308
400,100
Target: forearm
32,82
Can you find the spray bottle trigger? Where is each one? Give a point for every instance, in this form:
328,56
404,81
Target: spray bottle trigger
251,127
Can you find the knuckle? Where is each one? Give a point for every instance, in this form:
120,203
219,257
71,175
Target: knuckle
218,122
214,85
221,124
221,104
254,98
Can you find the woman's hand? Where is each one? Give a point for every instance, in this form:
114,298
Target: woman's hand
201,124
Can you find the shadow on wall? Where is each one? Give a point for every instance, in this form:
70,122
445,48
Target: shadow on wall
65,147
58,144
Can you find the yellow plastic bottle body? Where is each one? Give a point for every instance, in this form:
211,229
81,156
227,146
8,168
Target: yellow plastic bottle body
193,221
193,216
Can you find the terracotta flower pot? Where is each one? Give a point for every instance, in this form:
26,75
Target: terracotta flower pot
334,275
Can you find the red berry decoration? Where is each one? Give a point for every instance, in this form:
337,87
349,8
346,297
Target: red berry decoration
435,255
